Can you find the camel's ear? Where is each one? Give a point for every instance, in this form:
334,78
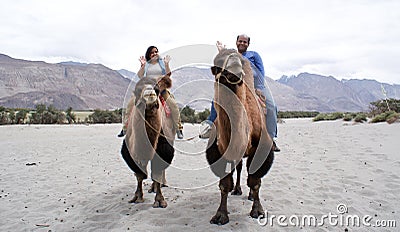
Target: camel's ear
165,81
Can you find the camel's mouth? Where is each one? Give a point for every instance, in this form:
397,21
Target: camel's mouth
149,96
230,77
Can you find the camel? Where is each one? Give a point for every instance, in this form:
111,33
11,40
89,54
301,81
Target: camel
149,137
240,131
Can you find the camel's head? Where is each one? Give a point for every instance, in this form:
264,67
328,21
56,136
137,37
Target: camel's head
228,67
146,94
149,94
147,91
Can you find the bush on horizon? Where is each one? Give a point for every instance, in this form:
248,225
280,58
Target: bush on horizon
385,110
328,116
297,114
389,116
384,105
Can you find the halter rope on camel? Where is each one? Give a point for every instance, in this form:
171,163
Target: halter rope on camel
154,129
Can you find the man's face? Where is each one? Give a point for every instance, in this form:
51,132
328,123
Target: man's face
242,44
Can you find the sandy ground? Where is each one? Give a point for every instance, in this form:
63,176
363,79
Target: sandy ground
72,178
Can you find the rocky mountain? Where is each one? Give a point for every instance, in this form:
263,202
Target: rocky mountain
129,75
89,86
334,95
80,86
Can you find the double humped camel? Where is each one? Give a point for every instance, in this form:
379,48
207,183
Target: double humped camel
240,131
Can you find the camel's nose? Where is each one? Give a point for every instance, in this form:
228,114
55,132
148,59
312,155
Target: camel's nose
150,96
234,66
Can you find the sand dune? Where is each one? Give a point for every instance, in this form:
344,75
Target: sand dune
72,178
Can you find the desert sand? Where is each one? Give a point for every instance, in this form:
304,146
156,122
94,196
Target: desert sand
72,178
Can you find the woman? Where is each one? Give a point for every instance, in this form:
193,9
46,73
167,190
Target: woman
154,66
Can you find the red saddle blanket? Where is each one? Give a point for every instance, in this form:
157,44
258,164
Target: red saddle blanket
165,106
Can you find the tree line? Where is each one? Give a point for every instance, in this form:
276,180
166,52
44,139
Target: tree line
385,110
43,114
379,111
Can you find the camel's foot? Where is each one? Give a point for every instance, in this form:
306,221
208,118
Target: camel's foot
138,198
237,191
160,204
220,218
257,210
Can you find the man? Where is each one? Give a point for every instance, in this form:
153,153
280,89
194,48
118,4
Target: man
242,43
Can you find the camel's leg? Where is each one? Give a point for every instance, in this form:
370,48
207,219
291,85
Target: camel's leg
139,169
164,180
254,180
255,184
156,174
153,186
225,185
159,201
161,160
218,166
250,197
152,189
237,190
138,198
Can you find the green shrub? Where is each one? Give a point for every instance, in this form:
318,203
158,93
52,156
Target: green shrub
392,117
384,105
297,114
319,117
383,117
328,116
105,116
348,117
361,117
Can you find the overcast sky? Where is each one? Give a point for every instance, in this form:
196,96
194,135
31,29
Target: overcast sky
342,38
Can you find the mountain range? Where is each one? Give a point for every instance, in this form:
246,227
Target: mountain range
24,84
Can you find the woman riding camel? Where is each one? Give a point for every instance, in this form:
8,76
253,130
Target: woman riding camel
152,65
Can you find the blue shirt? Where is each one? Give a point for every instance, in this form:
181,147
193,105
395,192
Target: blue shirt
258,68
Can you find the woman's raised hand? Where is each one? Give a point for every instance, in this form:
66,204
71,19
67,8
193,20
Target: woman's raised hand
167,58
142,60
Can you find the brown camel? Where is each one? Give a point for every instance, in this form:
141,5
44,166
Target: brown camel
240,131
149,136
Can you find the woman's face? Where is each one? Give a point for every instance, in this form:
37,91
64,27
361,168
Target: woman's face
154,54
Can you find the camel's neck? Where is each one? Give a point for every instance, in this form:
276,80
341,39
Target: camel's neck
153,126
232,120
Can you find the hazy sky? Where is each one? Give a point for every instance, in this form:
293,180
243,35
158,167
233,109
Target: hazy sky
343,38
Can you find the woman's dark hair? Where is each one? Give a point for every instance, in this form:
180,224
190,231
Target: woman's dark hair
147,55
